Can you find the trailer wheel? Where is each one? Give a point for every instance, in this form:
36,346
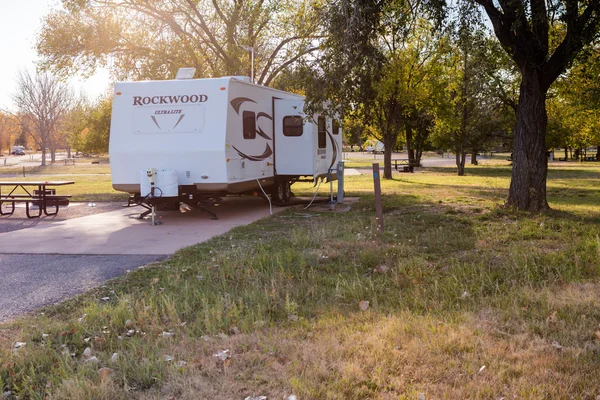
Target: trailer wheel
281,192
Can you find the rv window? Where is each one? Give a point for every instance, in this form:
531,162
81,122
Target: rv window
322,133
249,124
292,125
335,127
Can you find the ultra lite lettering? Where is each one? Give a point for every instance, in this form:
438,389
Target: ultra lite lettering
178,99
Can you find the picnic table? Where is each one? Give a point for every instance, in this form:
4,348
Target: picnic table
404,163
42,194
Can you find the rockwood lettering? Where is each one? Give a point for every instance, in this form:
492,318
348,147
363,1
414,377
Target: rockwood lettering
177,99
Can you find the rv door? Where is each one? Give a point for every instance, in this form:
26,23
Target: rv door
294,139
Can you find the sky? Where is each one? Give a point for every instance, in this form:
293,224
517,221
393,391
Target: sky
20,21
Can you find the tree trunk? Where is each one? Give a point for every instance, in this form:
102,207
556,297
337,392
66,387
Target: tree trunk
474,157
461,156
418,155
43,156
52,156
68,151
566,153
409,143
387,161
530,165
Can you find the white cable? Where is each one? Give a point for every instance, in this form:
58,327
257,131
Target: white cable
315,195
268,198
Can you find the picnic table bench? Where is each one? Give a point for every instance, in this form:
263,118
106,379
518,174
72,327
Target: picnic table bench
43,197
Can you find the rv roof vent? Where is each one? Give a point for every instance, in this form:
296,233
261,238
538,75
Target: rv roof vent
185,73
239,78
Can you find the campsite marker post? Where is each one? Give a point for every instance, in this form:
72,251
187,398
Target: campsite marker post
378,206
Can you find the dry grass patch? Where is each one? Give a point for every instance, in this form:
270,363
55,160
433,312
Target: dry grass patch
362,356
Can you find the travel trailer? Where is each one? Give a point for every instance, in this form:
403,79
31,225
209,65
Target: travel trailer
192,140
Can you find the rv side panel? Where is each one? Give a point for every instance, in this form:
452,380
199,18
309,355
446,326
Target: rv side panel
177,125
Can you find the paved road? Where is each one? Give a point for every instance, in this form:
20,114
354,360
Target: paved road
30,281
427,161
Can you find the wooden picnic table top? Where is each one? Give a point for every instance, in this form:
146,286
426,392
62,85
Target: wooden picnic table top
36,183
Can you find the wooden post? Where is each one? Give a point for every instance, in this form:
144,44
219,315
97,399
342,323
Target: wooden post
378,205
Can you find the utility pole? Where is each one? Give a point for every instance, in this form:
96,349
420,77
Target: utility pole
251,50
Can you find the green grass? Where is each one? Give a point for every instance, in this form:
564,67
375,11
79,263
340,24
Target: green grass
470,284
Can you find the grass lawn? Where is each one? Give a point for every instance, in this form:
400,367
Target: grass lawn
465,300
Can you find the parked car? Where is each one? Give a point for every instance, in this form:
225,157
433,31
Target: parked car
18,151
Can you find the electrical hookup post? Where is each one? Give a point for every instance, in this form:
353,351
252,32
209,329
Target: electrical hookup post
339,171
378,205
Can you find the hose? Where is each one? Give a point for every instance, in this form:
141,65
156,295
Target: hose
268,198
315,195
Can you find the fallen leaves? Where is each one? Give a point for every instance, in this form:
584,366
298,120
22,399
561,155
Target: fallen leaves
223,358
382,269
104,373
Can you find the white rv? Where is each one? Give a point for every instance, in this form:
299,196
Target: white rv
221,136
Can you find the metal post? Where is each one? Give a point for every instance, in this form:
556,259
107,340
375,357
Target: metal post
252,65
378,205
340,178
251,50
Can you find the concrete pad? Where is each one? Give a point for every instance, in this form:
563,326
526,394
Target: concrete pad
351,172
120,232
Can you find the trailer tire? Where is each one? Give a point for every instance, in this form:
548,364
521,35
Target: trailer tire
281,192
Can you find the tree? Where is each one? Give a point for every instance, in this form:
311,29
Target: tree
42,102
371,65
96,140
9,128
467,104
151,39
524,30
88,126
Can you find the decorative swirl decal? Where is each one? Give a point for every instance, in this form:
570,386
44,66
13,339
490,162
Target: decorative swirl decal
237,103
267,153
334,147
262,134
263,114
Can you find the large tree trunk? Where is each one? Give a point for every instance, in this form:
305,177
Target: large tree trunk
387,161
530,165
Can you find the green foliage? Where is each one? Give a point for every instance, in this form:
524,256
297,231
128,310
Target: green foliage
377,64
470,113
574,105
88,126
